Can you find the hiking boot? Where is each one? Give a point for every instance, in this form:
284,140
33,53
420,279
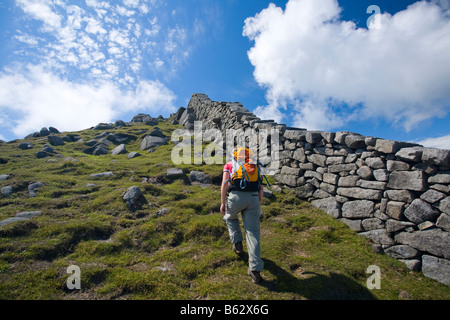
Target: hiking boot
256,276
238,248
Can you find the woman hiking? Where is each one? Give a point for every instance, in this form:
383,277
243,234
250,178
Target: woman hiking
242,181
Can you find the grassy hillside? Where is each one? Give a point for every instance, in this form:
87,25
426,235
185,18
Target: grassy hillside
182,252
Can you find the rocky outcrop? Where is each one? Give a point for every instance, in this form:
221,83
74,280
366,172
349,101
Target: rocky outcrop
396,194
44,132
144,118
154,139
55,140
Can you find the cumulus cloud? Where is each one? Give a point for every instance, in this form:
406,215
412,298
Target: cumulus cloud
40,98
440,142
323,71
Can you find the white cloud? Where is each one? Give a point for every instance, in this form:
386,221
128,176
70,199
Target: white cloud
313,63
95,63
440,142
98,56
113,50
144,9
137,30
272,111
124,11
176,36
120,37
40,98
131,3
315,114
27,39
111,67
94,26
444,4
78,38
98,4
155,27
158,63
41,10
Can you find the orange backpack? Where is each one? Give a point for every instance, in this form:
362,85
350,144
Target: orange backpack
246,174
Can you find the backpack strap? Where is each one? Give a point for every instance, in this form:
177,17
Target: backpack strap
258,164
245,177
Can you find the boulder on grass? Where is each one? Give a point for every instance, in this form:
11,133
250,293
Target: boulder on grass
134,198
119,150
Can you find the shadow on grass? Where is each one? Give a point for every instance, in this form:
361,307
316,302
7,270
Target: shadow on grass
314,286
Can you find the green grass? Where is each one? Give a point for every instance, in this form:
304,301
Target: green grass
184,254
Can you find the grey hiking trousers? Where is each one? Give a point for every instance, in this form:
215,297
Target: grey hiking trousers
246,203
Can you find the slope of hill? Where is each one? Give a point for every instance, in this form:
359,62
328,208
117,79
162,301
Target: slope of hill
57,212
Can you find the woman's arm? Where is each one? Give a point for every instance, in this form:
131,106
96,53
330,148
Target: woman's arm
223,192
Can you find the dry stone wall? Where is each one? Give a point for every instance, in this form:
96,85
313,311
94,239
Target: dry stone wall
394,193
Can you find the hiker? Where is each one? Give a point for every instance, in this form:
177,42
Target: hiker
242,178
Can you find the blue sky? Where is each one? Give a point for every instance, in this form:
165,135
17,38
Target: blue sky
315,64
